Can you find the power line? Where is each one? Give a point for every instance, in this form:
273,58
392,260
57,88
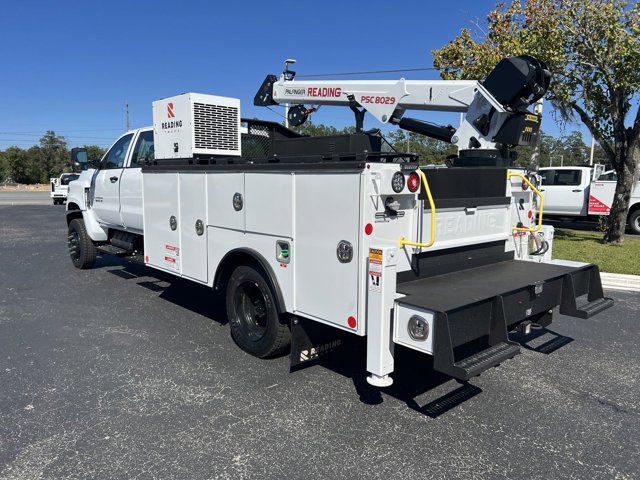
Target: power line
66,136
342,74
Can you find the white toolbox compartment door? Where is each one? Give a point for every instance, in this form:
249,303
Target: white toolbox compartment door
161,202
327,210
193,238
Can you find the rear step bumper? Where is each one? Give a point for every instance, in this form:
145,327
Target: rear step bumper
474,309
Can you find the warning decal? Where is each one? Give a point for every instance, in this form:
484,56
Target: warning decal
598,207
172,257
375,270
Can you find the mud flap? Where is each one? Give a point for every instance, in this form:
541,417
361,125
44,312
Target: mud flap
311,341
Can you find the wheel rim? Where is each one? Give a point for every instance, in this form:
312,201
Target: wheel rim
74,245
251,309
636,223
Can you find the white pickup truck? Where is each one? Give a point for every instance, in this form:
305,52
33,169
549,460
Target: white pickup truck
116,186
581,192
60,186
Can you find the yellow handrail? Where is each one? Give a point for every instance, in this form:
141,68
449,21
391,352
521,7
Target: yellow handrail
403,240
540,205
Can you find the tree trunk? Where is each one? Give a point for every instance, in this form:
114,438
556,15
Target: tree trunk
626,171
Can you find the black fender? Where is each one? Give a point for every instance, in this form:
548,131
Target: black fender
248,256
73,211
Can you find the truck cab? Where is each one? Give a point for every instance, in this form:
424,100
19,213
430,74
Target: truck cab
566,190
113,197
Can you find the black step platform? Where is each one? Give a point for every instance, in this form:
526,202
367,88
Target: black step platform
475,308
113,250
480,361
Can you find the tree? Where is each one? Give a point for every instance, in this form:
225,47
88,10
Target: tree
429,150
54,155
15,164
321,130
593,50
94,154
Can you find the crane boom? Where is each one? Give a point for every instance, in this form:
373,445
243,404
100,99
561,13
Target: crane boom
495,110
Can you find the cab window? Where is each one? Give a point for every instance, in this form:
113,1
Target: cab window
561,177
608,177
116,155
568,177
143,152
546,177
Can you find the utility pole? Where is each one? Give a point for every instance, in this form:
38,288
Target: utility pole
593,146
126,115
535,156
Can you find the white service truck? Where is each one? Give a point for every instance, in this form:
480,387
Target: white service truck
60,186
582,192
309,237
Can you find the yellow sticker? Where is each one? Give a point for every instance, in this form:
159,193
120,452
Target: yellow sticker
531,118
375,254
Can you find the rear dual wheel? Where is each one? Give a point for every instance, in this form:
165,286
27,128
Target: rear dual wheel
255,324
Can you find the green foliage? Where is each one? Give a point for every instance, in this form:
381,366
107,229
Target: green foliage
94,154
592,48
321,130
568,150
39,163
429,151
588,247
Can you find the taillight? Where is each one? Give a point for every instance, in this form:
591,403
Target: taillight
413,182
397,182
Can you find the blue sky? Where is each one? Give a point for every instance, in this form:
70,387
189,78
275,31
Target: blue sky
70,66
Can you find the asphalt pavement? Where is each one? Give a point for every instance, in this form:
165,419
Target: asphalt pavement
25,197
121,372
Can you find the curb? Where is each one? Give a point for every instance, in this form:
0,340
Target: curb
618,281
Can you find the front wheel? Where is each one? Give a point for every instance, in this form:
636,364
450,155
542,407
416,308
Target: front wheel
634,221
253,316
81,248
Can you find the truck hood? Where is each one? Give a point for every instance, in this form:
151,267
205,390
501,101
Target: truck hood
76,188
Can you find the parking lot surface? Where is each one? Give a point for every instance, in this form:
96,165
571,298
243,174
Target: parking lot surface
121,372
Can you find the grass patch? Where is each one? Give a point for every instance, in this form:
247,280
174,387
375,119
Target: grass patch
589,247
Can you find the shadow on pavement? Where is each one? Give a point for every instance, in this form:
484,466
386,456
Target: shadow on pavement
541,340
416,383
192,296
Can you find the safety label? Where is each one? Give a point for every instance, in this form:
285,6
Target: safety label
375,270
172,257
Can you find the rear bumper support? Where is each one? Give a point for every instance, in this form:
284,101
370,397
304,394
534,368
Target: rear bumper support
474,309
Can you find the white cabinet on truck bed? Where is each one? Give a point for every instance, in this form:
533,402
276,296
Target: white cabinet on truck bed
190,215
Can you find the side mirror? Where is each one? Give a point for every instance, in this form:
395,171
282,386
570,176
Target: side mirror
79,159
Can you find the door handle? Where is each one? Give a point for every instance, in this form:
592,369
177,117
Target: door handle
577,190
113,179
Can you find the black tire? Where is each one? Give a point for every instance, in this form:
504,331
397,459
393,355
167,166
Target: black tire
634,221
81,248
253,317
55,201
